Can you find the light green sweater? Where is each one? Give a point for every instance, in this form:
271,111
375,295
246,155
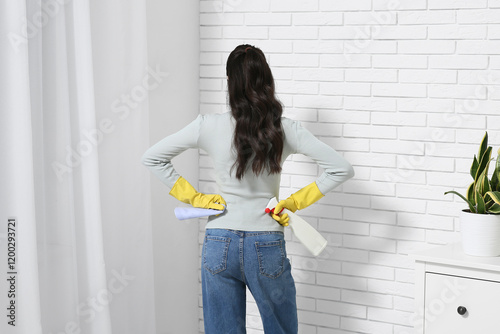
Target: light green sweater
246,199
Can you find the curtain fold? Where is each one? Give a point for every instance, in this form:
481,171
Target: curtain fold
71,173
17,195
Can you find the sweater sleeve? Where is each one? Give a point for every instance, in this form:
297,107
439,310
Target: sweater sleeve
158,158
336,169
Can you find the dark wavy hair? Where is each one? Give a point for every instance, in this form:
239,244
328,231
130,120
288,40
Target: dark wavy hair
258,136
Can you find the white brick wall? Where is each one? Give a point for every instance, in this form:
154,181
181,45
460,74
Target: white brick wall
404,89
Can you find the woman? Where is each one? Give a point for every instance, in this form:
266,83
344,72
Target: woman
244,246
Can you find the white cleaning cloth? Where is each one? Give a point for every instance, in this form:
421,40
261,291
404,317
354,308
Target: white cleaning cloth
183,213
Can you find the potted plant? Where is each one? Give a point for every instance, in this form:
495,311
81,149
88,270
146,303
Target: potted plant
480,223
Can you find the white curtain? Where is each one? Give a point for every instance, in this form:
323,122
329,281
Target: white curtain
74,82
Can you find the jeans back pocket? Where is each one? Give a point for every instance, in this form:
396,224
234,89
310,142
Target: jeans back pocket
215,253
271,257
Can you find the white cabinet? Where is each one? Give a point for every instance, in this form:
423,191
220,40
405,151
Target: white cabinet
456,293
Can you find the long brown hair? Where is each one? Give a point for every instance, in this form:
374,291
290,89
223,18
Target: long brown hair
258,136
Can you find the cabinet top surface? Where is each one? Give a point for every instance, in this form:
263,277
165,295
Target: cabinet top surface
452,254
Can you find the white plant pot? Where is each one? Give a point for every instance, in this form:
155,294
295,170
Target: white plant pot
480,234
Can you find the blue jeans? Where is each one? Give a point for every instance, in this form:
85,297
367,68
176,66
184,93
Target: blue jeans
232,260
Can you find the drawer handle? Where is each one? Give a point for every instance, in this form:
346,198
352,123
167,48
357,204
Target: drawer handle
462,310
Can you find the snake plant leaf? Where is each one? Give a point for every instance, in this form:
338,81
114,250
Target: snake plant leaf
483,146
489,203
474,167
494,195
483,164
495,178
471,207
485,187
483,184
478,184
495,208
470,194
481,206
494,181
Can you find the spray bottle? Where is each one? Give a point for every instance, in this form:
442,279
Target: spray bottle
307,235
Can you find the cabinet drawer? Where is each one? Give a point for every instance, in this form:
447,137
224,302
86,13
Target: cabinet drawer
445,293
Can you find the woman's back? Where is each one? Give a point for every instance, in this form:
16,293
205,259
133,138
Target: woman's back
246,199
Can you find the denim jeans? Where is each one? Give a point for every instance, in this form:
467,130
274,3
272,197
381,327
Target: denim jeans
232,260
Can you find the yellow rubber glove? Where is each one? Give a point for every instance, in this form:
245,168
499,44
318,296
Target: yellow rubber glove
297,201
186,193
281,219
